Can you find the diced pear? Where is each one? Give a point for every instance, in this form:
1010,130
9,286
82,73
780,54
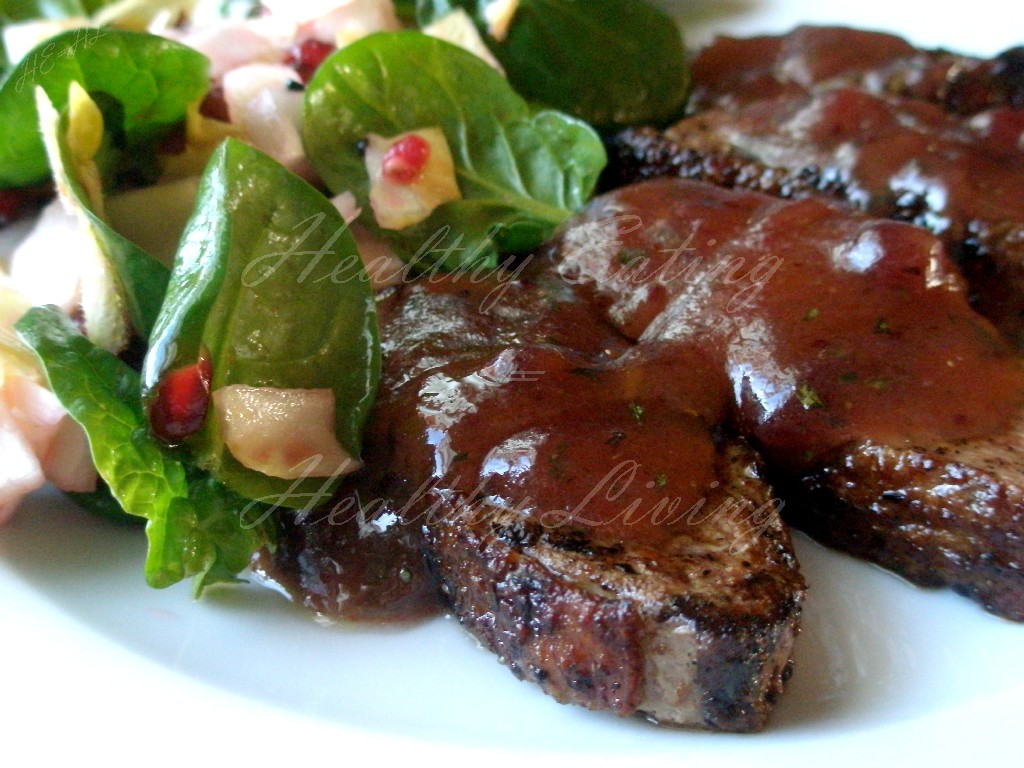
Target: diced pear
230,45
15,358
68,464
20,472
103,306
342,22
398,205
284,433
35,411
270,114
154,217
382,264
458,28
137,15
55,439
499,16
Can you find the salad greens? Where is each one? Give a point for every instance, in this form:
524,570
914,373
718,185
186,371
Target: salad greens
140,279
610,62
195,527
152,80
267,289
269,284
521,171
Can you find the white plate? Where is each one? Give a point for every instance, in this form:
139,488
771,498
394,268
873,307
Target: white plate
93,662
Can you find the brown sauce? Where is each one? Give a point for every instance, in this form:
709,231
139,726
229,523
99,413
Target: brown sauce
593,393
731,72
538,432
832,327
734,71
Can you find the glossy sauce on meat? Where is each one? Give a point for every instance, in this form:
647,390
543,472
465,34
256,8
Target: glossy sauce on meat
358,557
546,410
732,71
595,393
899,159
565,445
830,326
899,155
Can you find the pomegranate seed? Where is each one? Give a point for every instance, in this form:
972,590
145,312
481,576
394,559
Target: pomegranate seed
18,203
307,56
405,160
182,401
214,105
10,205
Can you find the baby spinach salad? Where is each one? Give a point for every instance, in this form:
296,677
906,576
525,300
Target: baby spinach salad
610,62
149,82
269,286
140,280
521,170
195,526
232,385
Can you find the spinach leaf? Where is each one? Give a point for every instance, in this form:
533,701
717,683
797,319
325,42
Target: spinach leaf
102,503
521,171
153,78
268,284
610,62
141,279
195,527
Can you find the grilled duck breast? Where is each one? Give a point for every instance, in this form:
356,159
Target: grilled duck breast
887,409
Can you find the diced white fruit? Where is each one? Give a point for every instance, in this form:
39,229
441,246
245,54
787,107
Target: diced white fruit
44,267
261,104
347,205
154,217
232,45
284,433
458,28
39,441
138,15
22,37
398,205
103,305
57,441
344,21
499,16
35,410
20,472
68,464
382,265
11,236
15,358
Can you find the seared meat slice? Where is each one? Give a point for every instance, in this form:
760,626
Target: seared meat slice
897,159
643,153
695,631
352,558
731,72
588,522
847,342
578,505
895,506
